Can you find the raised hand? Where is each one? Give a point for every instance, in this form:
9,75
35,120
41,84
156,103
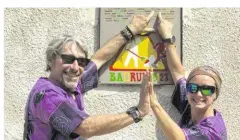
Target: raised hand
165,27
144,102
139,24
152,95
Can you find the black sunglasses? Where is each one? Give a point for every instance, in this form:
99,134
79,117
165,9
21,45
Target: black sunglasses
205,89
69,59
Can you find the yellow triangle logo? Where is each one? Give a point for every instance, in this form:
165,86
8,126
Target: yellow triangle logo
138,55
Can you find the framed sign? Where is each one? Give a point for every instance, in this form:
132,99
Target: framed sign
143,52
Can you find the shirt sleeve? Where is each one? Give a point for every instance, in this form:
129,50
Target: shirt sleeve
89,78
52,108
179,97
195,133
198,132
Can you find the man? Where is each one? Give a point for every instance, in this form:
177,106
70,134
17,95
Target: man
55,108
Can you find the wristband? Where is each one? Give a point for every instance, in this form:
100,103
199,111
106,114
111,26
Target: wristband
127,34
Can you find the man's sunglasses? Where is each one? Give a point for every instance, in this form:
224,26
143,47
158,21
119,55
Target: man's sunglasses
205,90
69,59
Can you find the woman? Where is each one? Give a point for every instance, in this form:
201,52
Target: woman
193,97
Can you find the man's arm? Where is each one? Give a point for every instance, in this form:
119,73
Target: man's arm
109,49
105,53
174,64
104,124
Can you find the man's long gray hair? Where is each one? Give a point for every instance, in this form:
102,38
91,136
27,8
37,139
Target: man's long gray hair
55,47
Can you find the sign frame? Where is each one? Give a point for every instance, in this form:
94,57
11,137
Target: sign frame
110,76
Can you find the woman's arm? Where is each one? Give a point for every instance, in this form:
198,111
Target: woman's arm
173,60
171,130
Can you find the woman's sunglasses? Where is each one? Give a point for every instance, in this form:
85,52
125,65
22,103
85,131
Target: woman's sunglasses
205,89
69,59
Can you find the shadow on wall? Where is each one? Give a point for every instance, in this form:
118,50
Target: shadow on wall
97,30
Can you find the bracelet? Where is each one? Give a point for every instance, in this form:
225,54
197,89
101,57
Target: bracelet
130,32
127,34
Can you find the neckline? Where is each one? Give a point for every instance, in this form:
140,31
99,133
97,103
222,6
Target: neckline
209,117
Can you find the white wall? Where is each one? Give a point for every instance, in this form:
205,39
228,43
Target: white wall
210,36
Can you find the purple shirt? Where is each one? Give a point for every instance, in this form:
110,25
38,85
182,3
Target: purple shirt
210,128
53,114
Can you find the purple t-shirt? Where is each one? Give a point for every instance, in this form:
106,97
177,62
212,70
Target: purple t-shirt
210,128
53,114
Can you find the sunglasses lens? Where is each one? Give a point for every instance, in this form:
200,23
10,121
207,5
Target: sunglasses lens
206,91
192,88
82,61
67,59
